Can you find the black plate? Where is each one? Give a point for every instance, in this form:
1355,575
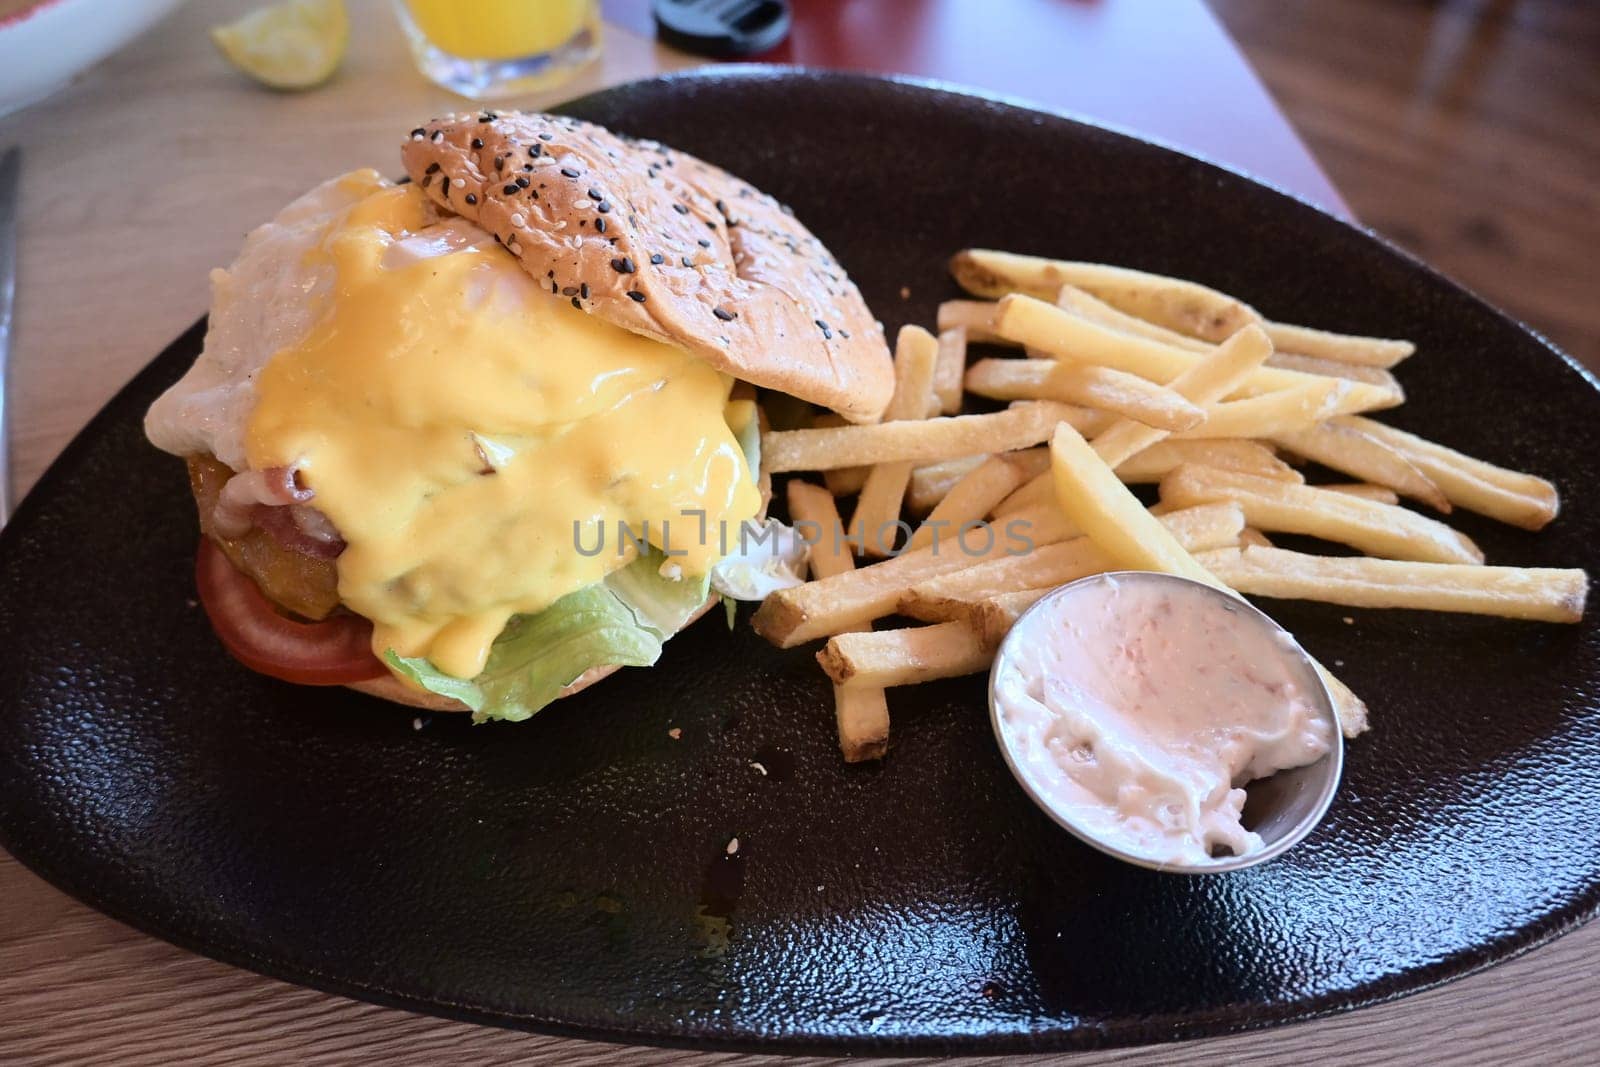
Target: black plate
569,874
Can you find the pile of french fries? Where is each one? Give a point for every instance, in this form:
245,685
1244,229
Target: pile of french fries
1123,377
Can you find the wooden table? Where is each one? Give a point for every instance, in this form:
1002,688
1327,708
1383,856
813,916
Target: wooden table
148,172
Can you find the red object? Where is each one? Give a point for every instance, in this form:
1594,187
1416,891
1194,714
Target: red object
332,652
1161,69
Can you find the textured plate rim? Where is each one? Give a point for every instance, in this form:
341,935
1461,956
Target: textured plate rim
1147,1030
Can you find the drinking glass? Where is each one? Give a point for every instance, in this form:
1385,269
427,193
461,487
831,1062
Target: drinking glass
486,49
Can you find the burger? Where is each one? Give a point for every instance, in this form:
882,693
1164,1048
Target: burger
476,439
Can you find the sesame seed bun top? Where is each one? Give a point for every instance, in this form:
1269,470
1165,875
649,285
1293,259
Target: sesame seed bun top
663,244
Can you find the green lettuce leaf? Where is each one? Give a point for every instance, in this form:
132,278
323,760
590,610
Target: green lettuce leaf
538,655
660,603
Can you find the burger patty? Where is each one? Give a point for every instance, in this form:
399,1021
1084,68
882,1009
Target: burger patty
298,583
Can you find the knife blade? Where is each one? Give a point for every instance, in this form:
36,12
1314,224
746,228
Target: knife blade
10,192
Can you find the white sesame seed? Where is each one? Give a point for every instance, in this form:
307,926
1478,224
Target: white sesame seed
733,846
416,724
519,220
675,733
758,768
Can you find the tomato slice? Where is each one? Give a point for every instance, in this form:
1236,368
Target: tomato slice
334,651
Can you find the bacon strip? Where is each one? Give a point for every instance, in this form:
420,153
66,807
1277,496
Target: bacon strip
273,500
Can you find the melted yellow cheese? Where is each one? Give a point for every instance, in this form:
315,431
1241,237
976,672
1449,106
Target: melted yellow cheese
455,421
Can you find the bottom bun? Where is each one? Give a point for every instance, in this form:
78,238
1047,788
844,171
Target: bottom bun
392,689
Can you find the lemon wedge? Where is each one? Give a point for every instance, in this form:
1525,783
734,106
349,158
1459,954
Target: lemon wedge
296,44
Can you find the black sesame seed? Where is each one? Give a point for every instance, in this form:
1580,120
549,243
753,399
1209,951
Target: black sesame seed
547,137
433,168
427,182
711,224
549,274
583,290
472,198
438,135
722,208
633,220
820,324
594,194
599,224
657,258
723,314
687,262
536,151
527,166
603,207
569,290
622,265
555,289
576,304
703,243
444,186
636,296
845,334
522,183
568,172
534,193
477,142
418,132
680,209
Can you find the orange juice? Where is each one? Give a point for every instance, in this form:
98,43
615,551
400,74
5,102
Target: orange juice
502,29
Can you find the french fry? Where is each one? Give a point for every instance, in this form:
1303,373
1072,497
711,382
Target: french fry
1040,524
794,616
932,482
948,369
1377,529
904,657
1539,593
1183,306
1332,368
1075,300
1350,450
916,440
994,616
1247,457
970,499
1250,537
1366,491
812,504
976,317
1206,380
1045,327
1343,348
877,511
1113,517
1283,411
1038,491
1509,496
861,714
1090,386
1052,564
1044,568
846,481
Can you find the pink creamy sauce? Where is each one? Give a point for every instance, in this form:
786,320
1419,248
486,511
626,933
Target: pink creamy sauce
1138,710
